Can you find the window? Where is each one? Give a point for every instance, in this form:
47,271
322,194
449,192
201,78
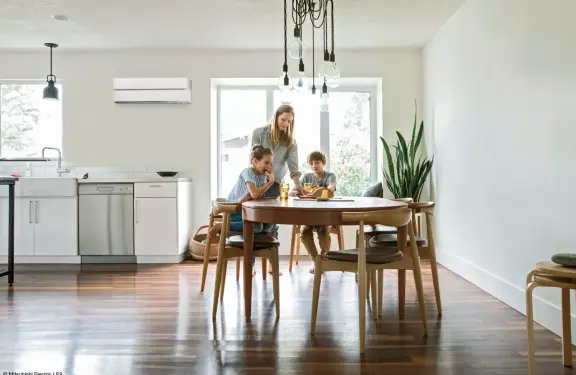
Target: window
28,122
345,134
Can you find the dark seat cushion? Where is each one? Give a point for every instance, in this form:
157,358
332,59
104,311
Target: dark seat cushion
261,241
391,240
374,255
374,230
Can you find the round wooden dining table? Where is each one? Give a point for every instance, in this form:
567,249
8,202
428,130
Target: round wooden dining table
297,211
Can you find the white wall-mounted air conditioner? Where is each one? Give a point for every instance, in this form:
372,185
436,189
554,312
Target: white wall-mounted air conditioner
152,90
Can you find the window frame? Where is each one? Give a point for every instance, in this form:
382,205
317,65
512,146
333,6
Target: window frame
39,82
371,89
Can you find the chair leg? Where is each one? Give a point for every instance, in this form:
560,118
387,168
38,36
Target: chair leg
341,237
380,290
264,268
530,321
401,293
238,266
219,266
298,246
566,329
276,280
206,254
374,295
435,281
362,307
223,282
433,263
292,244
316,293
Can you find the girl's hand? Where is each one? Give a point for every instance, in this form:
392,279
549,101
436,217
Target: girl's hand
270,176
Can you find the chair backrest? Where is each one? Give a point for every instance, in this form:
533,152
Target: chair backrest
223,207
397,217
425,207
405,200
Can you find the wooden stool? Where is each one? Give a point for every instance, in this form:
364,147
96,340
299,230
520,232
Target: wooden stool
549,274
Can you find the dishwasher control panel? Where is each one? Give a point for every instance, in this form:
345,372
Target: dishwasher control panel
93,189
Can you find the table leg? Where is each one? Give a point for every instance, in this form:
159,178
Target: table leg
10,234
248,246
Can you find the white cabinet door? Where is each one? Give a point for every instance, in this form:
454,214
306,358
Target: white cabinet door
23,227
155,226
56,226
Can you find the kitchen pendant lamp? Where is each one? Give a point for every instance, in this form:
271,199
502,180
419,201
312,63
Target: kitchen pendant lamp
319,14
51,91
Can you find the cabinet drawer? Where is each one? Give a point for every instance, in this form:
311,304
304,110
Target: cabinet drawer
155,190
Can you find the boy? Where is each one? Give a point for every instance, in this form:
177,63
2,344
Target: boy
318,178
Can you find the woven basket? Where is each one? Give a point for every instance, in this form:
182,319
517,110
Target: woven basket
196,248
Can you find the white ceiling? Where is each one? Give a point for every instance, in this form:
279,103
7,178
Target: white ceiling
220,24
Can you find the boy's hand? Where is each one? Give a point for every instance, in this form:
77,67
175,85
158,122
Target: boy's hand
270,176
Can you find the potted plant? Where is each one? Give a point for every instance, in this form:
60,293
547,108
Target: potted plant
404,176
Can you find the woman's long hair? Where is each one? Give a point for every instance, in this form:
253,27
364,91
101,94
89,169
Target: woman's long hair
285,138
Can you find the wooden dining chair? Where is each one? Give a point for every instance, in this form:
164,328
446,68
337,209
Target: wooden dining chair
209,241
295,242
366,261
230,247
426,250
549,274
213,219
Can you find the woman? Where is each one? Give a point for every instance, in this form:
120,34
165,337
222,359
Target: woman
278,135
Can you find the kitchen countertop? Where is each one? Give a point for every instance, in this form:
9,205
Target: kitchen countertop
129,180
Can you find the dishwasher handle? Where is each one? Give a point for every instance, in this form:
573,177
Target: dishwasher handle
105,189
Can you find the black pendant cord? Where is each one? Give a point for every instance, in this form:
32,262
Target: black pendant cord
285,66
51,75
332,56
313,66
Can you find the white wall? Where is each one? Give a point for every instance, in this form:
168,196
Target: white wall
98,132
500,98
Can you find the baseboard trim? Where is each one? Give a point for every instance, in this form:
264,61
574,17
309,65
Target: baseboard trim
56,259
160,259
546,313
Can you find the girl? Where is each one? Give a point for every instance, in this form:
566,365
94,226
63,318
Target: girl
278,136
252,184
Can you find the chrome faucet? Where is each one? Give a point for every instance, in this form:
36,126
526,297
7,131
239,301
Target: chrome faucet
59,170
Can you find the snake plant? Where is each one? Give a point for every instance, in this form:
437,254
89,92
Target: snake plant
404,176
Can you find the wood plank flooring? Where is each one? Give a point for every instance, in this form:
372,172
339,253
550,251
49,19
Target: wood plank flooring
152,319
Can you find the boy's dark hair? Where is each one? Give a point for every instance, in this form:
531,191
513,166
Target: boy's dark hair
316,156
259,152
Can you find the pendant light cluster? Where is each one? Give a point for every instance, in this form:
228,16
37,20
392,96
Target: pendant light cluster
51,91
320,14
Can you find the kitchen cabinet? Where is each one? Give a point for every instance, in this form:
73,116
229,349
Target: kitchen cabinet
155,226
42,226
56,226
162,221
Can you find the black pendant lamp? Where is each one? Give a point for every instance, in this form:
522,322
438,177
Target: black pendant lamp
51,91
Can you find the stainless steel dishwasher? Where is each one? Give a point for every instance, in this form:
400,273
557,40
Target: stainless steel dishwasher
106,223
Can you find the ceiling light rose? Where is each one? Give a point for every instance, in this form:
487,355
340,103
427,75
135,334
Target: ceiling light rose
51,91
320,13
61,17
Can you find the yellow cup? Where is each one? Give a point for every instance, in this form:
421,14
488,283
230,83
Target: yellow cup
284,189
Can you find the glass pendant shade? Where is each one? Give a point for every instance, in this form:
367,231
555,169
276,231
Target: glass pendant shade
51,91
296,49
301,82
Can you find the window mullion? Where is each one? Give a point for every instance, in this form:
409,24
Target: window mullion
325,136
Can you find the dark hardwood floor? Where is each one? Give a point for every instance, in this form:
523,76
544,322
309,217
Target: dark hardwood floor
152,319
